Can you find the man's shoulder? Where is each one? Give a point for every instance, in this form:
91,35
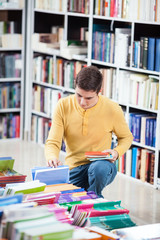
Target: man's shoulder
109,102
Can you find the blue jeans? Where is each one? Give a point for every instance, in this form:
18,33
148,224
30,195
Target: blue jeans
94,176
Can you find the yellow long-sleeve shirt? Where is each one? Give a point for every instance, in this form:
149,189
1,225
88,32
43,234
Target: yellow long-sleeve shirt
86,130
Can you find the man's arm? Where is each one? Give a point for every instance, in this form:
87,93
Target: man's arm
122,132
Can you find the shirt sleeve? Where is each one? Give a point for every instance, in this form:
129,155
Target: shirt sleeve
54,140
122,132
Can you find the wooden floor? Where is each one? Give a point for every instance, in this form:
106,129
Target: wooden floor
140,199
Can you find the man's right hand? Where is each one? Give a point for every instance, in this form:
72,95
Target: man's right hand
54,163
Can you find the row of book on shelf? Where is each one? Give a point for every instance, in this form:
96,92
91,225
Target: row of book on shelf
54,5
9,125
63,5
114,47
143,128
11,4
133,9
10,95
10,65
60,72
51,207
137,89
45,99
138,163
111,46
146,54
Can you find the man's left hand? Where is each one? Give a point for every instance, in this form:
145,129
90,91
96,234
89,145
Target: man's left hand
114,154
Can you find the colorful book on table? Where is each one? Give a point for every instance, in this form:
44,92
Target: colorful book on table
7,173
93,156
43,198
99,209
25,188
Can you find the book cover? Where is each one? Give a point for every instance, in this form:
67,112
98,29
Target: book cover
50,175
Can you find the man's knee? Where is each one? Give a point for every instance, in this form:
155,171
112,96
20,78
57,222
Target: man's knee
102,168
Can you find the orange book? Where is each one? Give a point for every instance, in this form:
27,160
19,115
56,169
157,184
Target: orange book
97,153
60,187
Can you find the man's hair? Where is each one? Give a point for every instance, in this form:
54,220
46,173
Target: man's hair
89,79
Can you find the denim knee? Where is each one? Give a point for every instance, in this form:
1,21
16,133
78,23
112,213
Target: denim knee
103,171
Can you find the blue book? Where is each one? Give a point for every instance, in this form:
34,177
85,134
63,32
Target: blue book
50,176
157,57
147,132
5,158
18,198
151,132
138,127
154,132
151,53
134,161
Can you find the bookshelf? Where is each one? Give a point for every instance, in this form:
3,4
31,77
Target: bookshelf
116,40
12,58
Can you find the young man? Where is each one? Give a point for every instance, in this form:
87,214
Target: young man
86,121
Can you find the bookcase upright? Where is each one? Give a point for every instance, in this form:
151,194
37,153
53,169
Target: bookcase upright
120,44
12,57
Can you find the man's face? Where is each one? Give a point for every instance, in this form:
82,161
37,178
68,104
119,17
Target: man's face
86,99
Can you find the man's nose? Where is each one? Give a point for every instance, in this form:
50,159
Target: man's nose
83,101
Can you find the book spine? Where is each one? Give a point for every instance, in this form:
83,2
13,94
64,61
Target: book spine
157,58
151,53
145,53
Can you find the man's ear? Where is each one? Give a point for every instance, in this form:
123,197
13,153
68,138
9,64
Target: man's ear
100,92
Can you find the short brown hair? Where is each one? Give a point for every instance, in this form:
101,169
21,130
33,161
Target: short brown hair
89,79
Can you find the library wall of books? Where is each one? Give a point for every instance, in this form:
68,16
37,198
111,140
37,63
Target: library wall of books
43,45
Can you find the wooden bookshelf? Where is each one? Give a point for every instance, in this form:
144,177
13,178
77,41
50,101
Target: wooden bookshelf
114,38
12,58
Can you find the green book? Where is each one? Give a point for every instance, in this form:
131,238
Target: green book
6,163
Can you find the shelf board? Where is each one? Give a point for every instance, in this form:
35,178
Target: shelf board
10,49
49,51
103,63
40,114
64,89
111,18
141,70
49,11
9,110
125,20
10,79
10,9
143,146
143,109
10,139
76,14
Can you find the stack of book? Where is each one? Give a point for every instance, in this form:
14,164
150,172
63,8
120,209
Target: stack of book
7,173
93,156
57,211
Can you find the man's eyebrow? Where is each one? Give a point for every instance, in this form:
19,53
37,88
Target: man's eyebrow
86,97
